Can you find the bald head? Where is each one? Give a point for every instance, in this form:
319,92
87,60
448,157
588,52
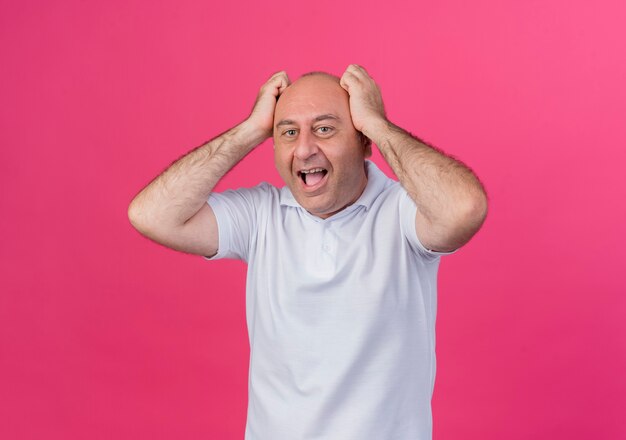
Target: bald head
320,73
315,80
318,93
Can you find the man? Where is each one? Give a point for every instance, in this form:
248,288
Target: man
342,261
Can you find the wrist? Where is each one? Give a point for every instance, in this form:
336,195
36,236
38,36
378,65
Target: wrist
377,129
251,134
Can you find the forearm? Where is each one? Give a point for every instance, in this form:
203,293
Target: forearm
179,192
443,188
451,201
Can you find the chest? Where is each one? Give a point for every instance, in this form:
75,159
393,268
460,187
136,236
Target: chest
359,254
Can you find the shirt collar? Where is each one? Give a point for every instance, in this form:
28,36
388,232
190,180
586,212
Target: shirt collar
376,180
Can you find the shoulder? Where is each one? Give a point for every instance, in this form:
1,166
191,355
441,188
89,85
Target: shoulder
259,192
247,202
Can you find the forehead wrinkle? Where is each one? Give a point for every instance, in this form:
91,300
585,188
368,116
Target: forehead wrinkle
327,116
319,118
285,122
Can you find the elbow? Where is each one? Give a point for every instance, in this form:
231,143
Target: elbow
147,221
458,228
480,208
137,217
132,217
474,213
465,227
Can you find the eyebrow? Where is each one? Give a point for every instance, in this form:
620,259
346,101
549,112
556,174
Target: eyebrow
316,119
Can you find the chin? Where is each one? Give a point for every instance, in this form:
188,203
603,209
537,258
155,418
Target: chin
315,208
323,213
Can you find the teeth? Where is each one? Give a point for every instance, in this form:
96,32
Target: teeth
314,170
304,173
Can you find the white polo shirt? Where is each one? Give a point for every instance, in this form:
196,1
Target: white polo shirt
340,313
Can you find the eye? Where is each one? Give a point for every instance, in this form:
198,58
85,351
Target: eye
324,129
290,132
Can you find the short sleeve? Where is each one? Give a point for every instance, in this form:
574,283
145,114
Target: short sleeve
408,210
236,213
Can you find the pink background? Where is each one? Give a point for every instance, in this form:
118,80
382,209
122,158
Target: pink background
106,335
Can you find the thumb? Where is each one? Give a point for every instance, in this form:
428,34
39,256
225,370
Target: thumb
344,85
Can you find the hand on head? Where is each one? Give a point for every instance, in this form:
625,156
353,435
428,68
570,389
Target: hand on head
366,102
262,115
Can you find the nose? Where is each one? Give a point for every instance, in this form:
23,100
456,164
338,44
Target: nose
306,146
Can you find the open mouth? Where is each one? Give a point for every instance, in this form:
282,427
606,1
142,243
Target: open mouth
313,176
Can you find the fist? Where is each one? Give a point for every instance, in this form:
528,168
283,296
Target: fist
262,115
366,102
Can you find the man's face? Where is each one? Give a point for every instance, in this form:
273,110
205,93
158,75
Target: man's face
317,151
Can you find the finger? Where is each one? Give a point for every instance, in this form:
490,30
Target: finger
347,78
279,77
345,86
343,82
285,82
279,73
357,70
277,83
360,73
350,83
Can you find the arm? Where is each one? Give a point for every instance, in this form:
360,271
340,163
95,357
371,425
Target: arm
172,209
452,204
